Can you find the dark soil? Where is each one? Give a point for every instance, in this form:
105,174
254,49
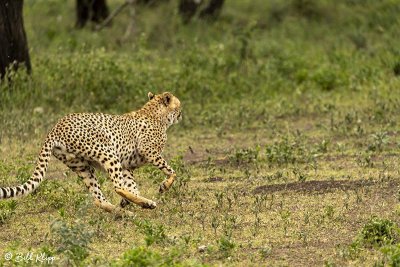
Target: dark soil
313,186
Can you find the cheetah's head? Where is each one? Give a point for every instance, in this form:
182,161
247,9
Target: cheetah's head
168,105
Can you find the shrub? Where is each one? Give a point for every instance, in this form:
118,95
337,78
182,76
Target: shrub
7,209
378,232
226,246
140,256
378,141
153,233
245,156
288,151
71,240
392,255
145,257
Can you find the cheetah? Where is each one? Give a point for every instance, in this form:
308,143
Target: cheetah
117,144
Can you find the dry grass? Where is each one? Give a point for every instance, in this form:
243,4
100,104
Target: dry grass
302,213
288,147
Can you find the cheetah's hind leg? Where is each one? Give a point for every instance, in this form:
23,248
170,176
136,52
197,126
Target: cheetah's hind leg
138,200
131,188
86,172
87,175
130,184
127,188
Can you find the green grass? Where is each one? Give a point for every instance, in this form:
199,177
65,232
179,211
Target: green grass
289,145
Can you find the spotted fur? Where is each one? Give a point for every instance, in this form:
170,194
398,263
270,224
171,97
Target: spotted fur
115,143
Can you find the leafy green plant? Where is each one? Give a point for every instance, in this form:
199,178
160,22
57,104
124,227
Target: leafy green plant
146,257
288,150
153,233
391,255
23,173
326,79
7,209
183,170
351,251
376,232
71,240
140,256
54,194
379,232
378,141
365,160
226,246
245,156
215,223
220,200
359,40
299,174
329,211
322,147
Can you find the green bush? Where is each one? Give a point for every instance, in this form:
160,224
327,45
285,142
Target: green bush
391,255
145,257
71,240
379,232
245,156
153,233
141,257
240,62
288,150
7,209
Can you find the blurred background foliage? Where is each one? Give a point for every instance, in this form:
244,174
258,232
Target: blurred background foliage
257,57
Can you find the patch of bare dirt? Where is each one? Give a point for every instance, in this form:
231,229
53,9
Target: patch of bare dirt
193,156
314,186
196,156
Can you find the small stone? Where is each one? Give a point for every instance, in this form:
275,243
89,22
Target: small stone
202,248
38,110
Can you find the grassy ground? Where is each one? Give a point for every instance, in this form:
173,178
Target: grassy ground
288,153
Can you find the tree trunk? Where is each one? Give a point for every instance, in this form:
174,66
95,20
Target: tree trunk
93,10
212,10
187,9
13,43
150,2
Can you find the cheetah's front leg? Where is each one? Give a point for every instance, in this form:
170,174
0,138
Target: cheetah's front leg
167,183
160,163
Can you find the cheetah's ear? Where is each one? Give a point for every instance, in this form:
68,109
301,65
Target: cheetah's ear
150,95
167,99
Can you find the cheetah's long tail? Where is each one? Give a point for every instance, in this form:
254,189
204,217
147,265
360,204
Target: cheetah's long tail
36,178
